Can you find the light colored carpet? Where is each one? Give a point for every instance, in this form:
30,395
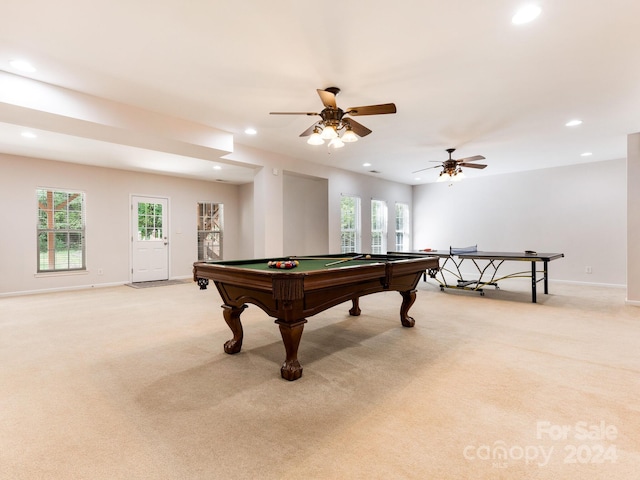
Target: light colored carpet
121,383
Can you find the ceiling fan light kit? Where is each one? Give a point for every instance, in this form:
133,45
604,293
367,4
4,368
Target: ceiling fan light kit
329,132
348,136
315,138
451,168
336,143
334,121
454,176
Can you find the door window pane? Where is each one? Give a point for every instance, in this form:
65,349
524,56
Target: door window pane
150,221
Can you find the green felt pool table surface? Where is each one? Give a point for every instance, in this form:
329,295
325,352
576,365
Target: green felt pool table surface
305,264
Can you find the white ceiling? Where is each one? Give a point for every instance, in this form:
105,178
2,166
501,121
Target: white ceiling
460,73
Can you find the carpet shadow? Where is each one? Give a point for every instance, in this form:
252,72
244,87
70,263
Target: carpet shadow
355,353
490,292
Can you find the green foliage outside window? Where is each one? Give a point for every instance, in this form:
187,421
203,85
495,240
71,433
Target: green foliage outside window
349,223
60,230
150,221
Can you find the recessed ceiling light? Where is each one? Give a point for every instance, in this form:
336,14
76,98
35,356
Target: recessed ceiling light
217,167
526,14
366,164
573,123
29,135
250,131
417,178
586,154
22,65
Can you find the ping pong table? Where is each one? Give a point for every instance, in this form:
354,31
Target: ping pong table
486,265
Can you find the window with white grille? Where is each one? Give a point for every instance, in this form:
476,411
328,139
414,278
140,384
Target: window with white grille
210,231
403,234
349,224
378,226
60,230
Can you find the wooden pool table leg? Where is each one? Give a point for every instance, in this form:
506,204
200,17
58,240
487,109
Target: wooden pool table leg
355,307
291,334
232,317
408,298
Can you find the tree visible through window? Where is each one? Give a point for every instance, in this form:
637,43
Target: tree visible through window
61,227
210,231
150,221
378,226
349,224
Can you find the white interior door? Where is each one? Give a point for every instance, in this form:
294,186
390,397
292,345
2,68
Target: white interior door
150,245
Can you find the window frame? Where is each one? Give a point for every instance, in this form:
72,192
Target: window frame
405,229
202,209
56,230
379,226
356,232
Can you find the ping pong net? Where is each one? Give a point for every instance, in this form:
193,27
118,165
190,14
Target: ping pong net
457,250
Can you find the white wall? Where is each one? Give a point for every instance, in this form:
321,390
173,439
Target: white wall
108,234
576,210
633,219
245,223
306,217
268,213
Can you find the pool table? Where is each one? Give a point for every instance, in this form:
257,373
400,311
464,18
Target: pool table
314,285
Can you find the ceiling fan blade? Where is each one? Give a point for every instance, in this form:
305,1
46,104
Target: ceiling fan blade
471,165
470,159
372,109
428,168
328,98
309,130
293,113
357,128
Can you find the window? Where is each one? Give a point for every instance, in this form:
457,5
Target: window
210,231
61,226
402,227
378,226
349,224
150,221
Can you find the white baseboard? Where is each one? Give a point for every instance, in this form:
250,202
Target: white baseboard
61,289
589,284
80,287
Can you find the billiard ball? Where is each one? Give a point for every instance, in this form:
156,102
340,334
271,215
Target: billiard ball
367,256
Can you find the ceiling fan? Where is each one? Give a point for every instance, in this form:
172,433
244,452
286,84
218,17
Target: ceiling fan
334,120
451,169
